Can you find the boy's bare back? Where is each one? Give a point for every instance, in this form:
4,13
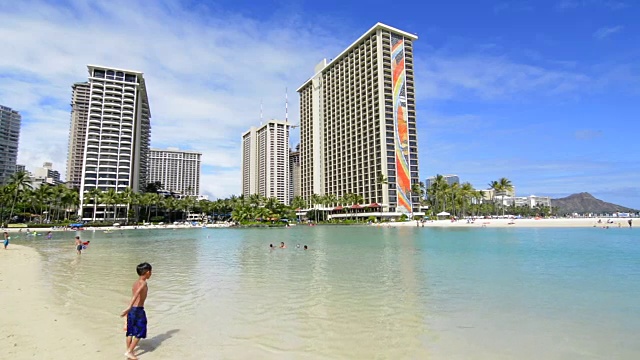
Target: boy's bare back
139,286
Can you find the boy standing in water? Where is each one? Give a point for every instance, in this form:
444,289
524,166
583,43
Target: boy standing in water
136,317
78,245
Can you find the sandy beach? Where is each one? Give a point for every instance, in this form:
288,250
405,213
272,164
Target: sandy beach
45,230
528,223
32,328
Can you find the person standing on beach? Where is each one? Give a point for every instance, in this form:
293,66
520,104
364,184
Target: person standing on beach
6,239
136,317
78,245
630,223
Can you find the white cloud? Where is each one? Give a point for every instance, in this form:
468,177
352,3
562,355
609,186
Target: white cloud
605,32
564,5
206,72
488,77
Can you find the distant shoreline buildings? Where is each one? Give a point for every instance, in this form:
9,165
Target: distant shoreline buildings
10,122
265,161
177,170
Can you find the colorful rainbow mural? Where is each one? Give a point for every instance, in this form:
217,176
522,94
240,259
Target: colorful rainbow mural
403,183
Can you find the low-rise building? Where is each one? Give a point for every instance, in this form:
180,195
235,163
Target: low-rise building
530,201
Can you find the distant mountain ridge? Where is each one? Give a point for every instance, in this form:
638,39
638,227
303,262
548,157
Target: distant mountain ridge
584,202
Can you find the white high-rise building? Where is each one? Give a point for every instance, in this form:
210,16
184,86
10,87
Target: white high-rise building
117,137
9,138
449,179
358,123
77,133
177,170
265,161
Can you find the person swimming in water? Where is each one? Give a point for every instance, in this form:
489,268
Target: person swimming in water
282,245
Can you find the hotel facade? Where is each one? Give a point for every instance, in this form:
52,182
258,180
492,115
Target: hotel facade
80,95
117,137
358,123
10,121
177,170
265,161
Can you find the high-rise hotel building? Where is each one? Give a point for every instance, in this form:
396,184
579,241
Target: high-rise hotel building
358,121
117,136
265,161
295,174
77,132
10,121
176,170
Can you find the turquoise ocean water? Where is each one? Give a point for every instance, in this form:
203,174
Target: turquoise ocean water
359,292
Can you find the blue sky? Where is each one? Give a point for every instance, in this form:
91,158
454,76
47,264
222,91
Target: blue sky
545,93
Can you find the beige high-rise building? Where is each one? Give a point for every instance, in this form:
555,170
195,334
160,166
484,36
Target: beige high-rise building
177,170
265,161
117,137
358,122
10,121
295,174
77,132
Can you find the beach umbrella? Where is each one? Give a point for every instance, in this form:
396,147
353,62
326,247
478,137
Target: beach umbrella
444,213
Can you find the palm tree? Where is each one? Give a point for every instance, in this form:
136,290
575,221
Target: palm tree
94,195
417,189
127,196
256,200
466,192
315,199
70,199
18,182
437,192
42,196
381,180
57,193
501,188
6,194
110,197
298,203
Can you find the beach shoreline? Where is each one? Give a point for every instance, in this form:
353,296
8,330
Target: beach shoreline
516,223
462,223
33,326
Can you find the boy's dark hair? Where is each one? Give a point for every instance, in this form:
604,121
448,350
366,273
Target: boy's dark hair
143,268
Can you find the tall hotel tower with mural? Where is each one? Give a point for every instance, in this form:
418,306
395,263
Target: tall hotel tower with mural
358,123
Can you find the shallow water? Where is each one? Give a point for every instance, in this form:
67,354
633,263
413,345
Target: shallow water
359,292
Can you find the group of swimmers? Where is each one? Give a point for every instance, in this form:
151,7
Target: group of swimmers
283,246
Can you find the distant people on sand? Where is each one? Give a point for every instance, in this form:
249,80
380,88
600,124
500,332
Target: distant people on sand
6,239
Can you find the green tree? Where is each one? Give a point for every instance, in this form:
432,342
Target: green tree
94,195
18,182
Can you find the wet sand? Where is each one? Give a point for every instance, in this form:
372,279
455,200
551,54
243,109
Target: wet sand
31,327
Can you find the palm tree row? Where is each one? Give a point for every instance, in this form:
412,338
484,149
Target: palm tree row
464,200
